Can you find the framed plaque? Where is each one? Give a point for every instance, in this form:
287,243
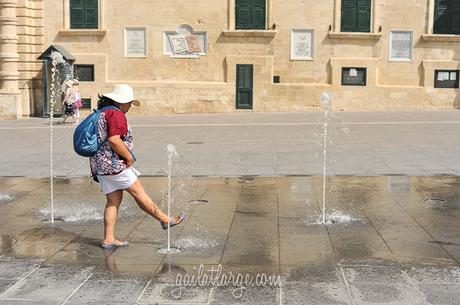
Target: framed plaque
354,76
446,78
135,42
190,45
401,45
302,44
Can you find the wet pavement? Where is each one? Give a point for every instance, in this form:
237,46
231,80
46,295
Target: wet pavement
389,240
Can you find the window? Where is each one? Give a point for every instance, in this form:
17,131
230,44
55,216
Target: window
356,16
354,76
84,73
83,14
447,17
86,103
446,78
250,14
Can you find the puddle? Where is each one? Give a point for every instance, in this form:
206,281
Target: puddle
195,243
336,217
172,250
5,197
246,180
79,213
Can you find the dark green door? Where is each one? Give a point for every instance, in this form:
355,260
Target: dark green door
244,75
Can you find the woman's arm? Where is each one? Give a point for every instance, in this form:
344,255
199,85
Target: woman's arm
120,148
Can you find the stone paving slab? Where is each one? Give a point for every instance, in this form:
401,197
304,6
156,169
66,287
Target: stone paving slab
258,144
386,244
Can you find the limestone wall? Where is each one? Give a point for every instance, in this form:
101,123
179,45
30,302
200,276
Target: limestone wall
207,83
30,46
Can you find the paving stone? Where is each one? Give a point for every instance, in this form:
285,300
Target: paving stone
122,291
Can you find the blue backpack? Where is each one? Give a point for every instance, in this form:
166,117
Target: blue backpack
85,135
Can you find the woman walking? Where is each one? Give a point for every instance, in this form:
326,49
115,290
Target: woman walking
69,101
113,164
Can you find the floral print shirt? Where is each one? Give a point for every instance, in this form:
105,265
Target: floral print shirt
106,161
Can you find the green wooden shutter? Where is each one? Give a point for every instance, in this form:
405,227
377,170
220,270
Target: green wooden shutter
244,83
441,17
91,13
258,14
243,14
348,16
76,14
363,8
250,14
356,16
455,17
84,14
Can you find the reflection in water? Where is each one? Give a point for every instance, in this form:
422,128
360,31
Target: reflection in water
5,197
170,268
195,243
81,212
109,260
336,217
399,184
6,241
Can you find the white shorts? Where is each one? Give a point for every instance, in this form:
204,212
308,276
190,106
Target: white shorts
120,181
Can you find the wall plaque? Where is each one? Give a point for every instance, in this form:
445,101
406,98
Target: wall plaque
401,45
302,44
185,42
135,42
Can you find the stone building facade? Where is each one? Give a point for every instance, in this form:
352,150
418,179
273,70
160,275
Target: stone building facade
237,55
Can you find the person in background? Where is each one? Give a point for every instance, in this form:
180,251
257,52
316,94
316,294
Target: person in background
69,101
112,166
78,102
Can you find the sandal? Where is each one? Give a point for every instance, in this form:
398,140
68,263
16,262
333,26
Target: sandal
173,222
114,245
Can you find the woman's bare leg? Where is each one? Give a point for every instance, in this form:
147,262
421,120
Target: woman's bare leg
110,215
145,202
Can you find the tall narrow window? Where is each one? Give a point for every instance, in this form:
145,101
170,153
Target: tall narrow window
356,16
83,14
447,17
250,14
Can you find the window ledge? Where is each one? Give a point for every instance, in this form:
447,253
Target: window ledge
440,37
249,33
82,32
355,35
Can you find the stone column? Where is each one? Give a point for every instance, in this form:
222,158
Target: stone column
9,57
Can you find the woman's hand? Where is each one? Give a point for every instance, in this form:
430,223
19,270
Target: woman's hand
119,147
129,162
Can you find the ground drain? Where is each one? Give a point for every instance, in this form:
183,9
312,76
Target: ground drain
172,250
198,201
434,201
56,219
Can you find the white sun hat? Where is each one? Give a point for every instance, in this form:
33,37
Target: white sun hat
122,94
